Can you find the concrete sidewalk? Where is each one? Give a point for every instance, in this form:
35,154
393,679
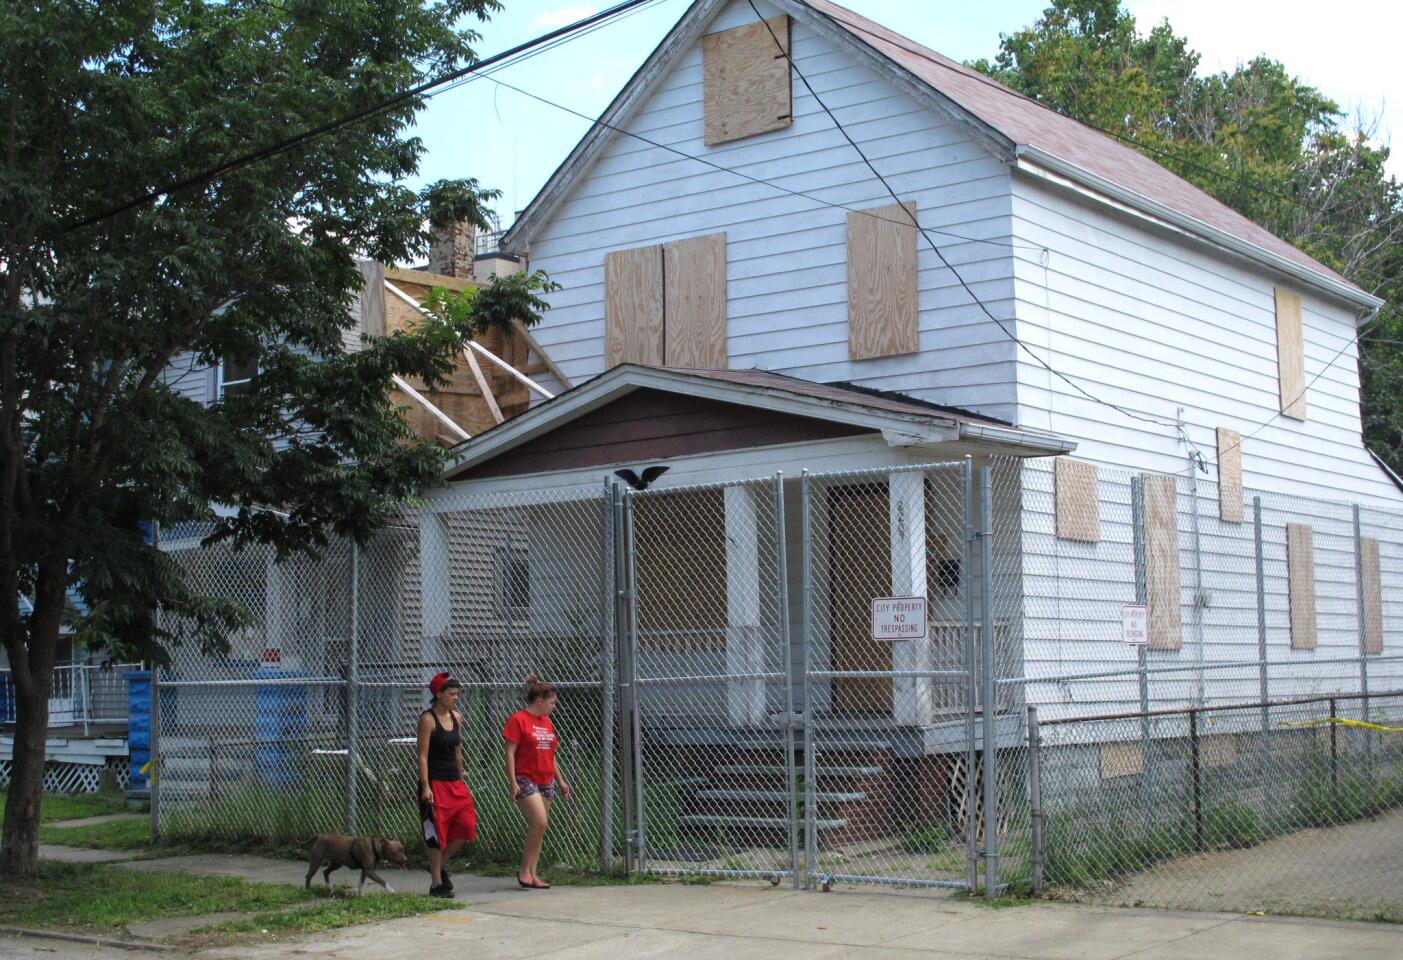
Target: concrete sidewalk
737,921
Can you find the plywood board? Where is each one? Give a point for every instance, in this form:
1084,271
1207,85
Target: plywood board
1122,759
1078,507
1229,475
633,306
1300,567
746,86
1217,750
1290,355
1371,586
694,297
882,314
1162,563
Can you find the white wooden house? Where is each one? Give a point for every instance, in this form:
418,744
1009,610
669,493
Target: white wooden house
717,223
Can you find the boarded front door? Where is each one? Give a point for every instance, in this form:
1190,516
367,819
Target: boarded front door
859,565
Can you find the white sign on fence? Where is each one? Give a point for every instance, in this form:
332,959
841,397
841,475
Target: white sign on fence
898,618
1135,624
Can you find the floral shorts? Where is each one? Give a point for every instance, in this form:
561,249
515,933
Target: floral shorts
529,788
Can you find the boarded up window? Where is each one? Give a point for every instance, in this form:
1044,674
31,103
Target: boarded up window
694,302
1300,568
1290,355
882,316
1162,563
681,569
1371,586
666,304
1078,514
1122,760
745,81
1229,475
633,306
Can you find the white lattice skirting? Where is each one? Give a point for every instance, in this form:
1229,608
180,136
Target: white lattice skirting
76,777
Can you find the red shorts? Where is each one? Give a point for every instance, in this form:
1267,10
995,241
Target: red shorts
451,816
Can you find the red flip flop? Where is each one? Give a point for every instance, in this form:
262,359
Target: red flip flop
538,885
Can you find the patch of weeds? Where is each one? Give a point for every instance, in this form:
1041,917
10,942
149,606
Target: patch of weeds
926,838
1233,825
97,898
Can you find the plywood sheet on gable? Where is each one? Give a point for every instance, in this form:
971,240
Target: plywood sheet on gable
746,87
882,311
1162,592
1229,475
1290,355
694,284
1371,585
1300,570
1078,508
633,306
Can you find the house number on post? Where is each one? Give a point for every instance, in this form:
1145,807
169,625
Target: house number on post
899,618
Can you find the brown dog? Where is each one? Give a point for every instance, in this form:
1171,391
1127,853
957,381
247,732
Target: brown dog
337,850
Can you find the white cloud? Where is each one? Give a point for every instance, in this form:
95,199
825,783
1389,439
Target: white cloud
1346,50
564,15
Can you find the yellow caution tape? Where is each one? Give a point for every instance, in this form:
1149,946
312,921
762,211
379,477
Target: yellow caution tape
146,767
1347,723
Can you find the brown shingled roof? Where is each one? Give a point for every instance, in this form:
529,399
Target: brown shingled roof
1026,122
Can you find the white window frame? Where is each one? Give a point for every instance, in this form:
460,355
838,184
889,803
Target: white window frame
221,384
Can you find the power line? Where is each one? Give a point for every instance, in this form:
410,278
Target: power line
973,296
331,126
733,171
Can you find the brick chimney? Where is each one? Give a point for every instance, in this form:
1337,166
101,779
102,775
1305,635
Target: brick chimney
452,250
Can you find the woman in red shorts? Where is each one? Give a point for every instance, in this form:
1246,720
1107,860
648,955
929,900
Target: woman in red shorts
445,803
530,743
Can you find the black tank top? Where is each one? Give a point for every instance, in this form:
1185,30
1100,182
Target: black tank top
443,749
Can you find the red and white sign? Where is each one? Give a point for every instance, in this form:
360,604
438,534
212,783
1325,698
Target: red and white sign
1135,624
899,618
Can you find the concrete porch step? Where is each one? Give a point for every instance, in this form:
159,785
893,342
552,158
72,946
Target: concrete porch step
823,796
767,823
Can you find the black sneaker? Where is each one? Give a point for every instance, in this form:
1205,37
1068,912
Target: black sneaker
442,890
447,881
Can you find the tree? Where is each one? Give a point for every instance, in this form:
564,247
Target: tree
1257,138
108,101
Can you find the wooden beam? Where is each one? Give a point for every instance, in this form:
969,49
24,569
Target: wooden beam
525,334
483,386
511,369
425,279
438,414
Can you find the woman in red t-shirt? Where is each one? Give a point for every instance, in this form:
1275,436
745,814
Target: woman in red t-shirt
530,743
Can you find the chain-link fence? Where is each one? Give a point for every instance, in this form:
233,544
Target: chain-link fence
826,677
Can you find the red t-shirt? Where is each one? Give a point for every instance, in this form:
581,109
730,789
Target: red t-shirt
535,745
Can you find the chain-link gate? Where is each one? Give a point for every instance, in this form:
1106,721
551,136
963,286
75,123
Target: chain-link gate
710,686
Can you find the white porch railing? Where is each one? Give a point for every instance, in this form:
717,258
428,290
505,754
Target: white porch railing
81,694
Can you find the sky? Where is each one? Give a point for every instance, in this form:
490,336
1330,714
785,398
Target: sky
513,143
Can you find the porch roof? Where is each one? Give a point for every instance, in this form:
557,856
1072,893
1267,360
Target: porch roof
901,420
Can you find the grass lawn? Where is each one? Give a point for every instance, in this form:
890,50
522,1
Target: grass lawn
76,807
127,835
100,899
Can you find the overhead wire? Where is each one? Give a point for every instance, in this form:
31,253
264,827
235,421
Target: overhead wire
940,254
330,126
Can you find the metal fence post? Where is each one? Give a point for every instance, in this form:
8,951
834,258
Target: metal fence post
631,566
1363,642
806,642
1334,753
1263,676
623,671
986,629
1137,518
1035,799
157,772
786,658
353,695
971,683
1196,778
1200,692
607,679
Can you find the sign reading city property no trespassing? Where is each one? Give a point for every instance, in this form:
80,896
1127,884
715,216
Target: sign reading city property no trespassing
898,618
1135,624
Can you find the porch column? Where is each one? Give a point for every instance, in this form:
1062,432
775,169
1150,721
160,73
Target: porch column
745,638
434,594
911,696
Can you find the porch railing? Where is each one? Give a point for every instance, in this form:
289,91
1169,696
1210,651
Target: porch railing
81,694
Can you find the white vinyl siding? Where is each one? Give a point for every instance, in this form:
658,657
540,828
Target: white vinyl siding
1154,323
786,255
